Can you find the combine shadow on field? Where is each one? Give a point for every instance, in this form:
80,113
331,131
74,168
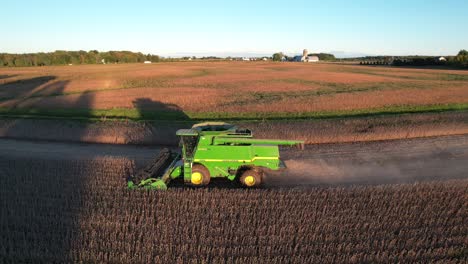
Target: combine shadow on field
155,110
161,121
39,224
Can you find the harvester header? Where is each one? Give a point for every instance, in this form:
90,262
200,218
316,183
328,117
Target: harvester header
214,150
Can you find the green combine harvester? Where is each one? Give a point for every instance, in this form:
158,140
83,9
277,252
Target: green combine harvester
213,150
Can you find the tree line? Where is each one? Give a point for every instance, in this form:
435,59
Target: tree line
324,56
460,60
62,57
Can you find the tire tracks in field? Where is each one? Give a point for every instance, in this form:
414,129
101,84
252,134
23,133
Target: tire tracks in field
395,161
361,163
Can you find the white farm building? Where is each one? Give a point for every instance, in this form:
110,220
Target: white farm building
311,59
306,58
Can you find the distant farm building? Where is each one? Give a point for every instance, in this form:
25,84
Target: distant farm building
306,58
441,59
298,58
312,59
147,62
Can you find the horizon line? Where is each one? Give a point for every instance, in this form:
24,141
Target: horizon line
337,54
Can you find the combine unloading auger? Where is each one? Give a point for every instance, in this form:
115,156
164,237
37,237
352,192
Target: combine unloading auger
211,150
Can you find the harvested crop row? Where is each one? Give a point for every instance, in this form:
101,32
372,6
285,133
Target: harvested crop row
81,211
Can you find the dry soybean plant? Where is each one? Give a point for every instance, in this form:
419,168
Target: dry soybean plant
80,211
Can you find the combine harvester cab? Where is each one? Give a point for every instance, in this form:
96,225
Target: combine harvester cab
214,150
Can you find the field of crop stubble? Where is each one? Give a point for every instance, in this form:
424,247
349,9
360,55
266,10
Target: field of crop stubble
185,90
335,102
65,210
61,211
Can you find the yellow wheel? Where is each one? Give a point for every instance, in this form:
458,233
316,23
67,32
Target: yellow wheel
200,175
249,181
197,178
251,178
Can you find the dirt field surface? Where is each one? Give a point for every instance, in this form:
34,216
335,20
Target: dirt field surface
398,161
395,161
63,202
229,87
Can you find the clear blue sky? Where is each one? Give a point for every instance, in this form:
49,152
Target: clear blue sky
393,27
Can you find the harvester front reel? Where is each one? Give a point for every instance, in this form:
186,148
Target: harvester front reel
155,175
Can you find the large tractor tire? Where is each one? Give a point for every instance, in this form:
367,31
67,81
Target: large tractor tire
200,175
251,178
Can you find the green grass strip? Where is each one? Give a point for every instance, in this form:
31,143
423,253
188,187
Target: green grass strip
134,114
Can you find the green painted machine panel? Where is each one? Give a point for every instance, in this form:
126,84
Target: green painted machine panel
176,172
223,153
224,158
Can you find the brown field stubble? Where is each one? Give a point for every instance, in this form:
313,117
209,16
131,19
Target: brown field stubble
80,211
231,86
311,131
